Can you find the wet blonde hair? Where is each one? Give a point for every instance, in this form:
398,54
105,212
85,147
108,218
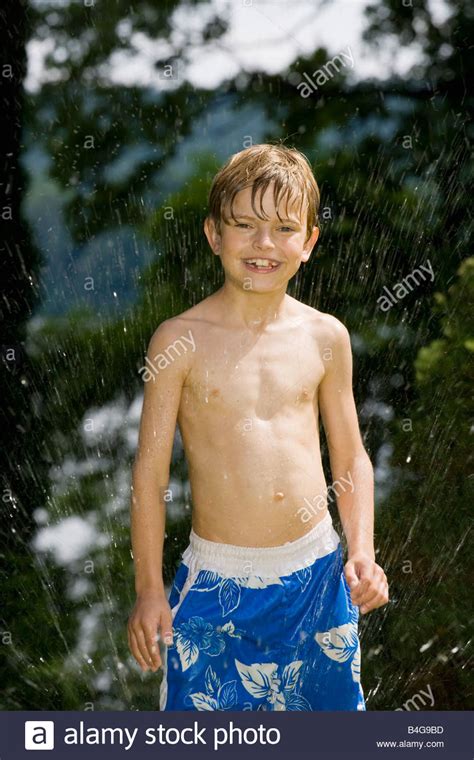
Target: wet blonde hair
257,167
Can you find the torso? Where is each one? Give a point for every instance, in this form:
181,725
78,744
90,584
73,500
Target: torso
248,418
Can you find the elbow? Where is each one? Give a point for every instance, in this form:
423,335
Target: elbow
362,454
350,461
360,458
148,475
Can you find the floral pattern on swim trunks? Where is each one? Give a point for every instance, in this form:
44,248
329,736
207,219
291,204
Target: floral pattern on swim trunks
342,644
229,589
254,643
261,680
197,636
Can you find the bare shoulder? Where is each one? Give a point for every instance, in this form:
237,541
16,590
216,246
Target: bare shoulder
327,329
332,328
179,326
332,343
163,335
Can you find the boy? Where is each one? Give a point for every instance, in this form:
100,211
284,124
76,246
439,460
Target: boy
263,612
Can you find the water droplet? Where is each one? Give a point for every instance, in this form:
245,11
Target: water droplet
426,646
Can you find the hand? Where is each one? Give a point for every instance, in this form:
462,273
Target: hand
150,613
367,582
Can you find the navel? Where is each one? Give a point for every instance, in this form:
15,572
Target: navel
279,495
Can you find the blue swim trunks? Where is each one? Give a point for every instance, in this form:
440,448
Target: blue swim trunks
270,628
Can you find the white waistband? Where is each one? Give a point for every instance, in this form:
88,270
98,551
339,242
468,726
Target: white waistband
266,561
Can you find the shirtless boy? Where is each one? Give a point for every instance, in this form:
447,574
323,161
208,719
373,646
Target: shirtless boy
263,612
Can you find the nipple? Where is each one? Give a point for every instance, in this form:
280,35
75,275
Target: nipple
279,495
303,395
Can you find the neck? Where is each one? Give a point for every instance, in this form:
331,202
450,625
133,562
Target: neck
250,309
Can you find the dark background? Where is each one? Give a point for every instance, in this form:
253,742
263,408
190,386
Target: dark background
104,191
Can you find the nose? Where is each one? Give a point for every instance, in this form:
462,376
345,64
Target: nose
263,241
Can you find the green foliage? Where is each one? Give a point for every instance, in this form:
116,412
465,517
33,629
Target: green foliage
423,528
391,159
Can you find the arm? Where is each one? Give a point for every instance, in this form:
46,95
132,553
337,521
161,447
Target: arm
150,477
351,470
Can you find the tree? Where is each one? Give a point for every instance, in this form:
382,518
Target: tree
424,526
391,160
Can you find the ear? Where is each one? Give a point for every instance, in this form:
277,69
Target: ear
213,237
309,245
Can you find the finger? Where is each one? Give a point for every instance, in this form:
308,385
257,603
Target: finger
137,652
152,646
370,591
384,596
376,600
368,602
166,628
146,640
351,575
360,591
368,572
140,637
365,583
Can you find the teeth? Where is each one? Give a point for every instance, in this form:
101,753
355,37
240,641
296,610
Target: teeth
262,263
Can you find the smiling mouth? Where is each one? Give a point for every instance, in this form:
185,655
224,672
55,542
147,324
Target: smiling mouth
262,265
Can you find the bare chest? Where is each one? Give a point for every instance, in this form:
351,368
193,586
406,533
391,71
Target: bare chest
264,378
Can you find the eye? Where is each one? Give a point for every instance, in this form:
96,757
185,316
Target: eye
242,224
287,229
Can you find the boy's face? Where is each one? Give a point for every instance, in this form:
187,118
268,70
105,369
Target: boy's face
273,240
